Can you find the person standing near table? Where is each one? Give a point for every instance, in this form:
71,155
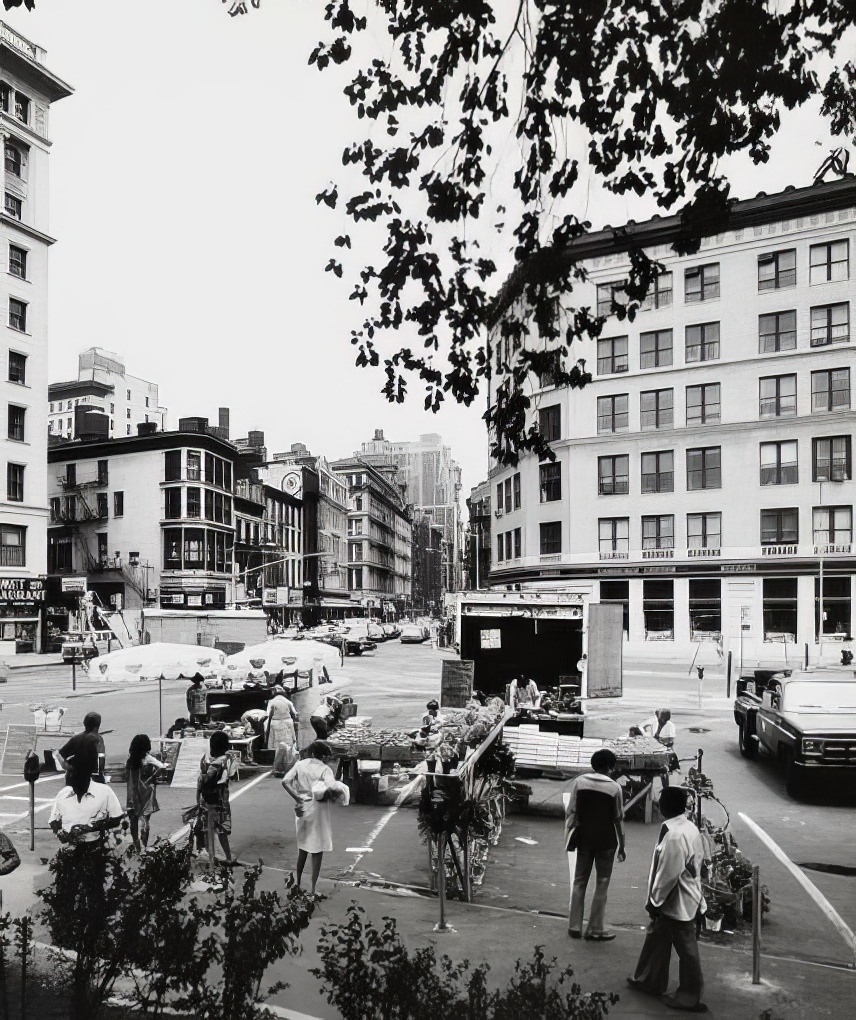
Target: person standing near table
212,796
282,735
594,827
88,744
141,799
675,898
84,810
197,700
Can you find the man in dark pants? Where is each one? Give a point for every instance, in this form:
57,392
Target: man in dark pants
674,899
90,744
594,827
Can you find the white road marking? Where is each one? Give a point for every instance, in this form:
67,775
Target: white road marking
820,900
381,825
179,834
44,779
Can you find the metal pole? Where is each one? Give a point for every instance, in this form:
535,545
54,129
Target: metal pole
160,705
820,622
441,880
756,925
32,816
728,676
74,672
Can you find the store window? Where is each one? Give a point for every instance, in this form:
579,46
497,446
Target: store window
832,525
780,526
830,390
655,349
780,609
836,605
703,404
704,469
779,463
613,475
705,607
618,593
658,531
551,538
658,471
777,269
831,459
613,536
658,608
830,324
612,355
702,342
777,331
777,396
656,409
704,531
550,423
829,262
613,413
550,482
701,283
659,293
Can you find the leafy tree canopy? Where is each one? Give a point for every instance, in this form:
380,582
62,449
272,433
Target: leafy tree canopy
482,124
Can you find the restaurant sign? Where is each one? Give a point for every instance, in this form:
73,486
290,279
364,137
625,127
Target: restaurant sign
21,591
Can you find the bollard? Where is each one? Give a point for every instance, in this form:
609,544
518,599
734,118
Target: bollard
756,925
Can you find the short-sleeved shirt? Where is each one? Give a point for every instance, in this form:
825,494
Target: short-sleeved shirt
86,744
595,805
98,802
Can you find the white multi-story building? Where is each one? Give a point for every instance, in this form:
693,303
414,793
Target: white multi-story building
703,479
27,91
103,385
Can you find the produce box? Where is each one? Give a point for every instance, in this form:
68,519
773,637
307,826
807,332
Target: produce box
368,750
397,752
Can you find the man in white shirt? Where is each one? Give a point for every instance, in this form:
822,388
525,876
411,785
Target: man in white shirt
675,897
83,811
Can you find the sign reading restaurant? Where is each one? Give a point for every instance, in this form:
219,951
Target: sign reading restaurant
21,591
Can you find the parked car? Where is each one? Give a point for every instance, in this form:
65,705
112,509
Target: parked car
413,634
357,641
375,631
806,721
392,631
78,645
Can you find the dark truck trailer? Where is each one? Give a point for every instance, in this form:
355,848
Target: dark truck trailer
542,636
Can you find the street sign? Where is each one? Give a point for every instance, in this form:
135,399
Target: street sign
74,585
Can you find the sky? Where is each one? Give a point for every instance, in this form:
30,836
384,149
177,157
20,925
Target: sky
184,171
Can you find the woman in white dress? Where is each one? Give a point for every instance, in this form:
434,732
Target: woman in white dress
282,719
313,787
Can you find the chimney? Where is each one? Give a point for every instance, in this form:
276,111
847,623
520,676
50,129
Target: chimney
378,435
223,418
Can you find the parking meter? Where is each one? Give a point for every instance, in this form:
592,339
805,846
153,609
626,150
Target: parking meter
31,774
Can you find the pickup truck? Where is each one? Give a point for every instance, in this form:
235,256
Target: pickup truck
806,721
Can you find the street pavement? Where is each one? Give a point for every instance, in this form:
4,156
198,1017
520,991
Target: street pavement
380,862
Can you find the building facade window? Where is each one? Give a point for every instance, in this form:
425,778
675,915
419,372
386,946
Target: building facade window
612,355
777,269
704,470
658,471
18,315
658,531
12,158
705,607
703,404
613,475
518,542
656,409
194,548
550,538
15,483
779,463
777,331
836,606
830,324
12,206
550,482
655,349
701,283
550,423
16,423
704,531
830,390
172,503
659,293
658,609
613,534
194,501
702,342
613,413
17,368
607,293
172,466
829,262
832,525
118,503
830,459
194,466
516,491
618,593
780,608
18,262
101,504
777,396
22,107
13,546
780,527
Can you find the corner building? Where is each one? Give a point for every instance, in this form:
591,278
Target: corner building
704,479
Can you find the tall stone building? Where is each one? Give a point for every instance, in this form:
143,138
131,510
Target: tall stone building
27,92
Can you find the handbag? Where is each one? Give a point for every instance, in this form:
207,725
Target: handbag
9,859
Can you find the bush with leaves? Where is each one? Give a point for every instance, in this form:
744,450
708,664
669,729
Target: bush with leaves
367,973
